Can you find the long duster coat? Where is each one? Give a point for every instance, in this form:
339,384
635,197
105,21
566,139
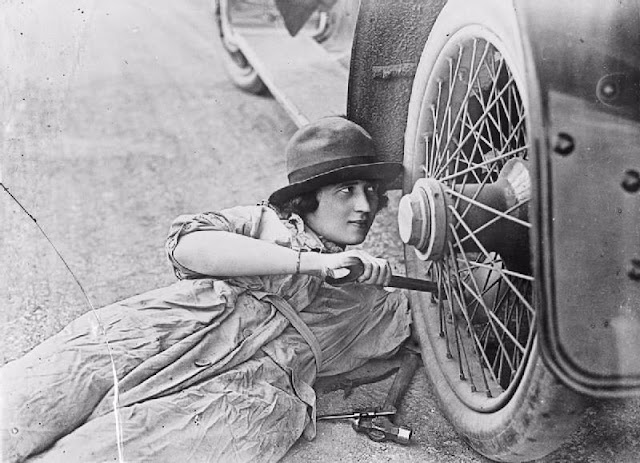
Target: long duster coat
208,369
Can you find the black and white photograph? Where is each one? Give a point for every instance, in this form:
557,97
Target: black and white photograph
356,231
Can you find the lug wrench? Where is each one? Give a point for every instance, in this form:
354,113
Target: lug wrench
396,281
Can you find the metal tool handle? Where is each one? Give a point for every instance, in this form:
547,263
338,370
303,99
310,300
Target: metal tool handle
354,272
414,284
395,282
358,415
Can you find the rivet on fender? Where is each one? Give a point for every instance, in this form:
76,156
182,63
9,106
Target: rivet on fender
563,144
611,88
631,181
634,270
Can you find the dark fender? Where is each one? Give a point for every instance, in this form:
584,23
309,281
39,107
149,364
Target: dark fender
389,39
584,84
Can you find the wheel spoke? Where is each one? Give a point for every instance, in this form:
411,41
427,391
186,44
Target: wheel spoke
500,271
472,79
461,110
465,139
493,319
446,117
447,314
511,273
494,220
477,345
473,124
478,204
497,158
475,195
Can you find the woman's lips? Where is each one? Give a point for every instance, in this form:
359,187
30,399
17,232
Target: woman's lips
359,223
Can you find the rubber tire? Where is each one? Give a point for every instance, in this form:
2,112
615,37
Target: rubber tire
542,413
245,77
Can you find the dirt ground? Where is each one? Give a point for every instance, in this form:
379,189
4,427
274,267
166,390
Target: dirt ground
117,117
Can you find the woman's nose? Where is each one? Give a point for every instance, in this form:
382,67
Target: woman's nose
362,203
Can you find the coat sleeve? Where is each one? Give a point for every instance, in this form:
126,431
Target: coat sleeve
244,220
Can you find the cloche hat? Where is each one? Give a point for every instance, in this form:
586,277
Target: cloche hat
331,150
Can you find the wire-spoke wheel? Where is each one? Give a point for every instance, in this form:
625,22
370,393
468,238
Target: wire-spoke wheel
242,74
466,222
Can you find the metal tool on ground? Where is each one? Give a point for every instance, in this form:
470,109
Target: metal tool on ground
396,281
377,425
408,367
365,422
357,415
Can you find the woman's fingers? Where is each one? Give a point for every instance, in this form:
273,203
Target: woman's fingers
338,265
385,274
368,270
377,271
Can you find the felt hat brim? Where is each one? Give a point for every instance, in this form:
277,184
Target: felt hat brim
386,172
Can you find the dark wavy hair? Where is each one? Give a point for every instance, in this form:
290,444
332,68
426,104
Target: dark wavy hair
308,202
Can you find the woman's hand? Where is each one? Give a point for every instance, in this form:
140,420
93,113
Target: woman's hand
377,271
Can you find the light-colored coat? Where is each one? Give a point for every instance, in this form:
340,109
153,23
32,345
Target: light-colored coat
208,370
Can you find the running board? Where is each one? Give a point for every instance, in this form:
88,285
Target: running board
305,79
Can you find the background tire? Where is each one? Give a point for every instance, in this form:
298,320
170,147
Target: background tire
240,71
467,118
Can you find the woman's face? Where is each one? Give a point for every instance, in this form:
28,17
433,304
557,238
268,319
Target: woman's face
345,211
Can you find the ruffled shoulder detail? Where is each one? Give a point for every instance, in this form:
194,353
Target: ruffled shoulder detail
303,238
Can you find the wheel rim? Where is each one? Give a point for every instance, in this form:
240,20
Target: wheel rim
472,147
225,26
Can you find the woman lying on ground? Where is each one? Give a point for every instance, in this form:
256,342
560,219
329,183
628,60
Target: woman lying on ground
219,366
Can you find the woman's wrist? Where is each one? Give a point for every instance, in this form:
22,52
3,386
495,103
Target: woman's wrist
311,263
298,257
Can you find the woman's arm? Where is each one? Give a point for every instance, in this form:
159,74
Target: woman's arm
221,253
